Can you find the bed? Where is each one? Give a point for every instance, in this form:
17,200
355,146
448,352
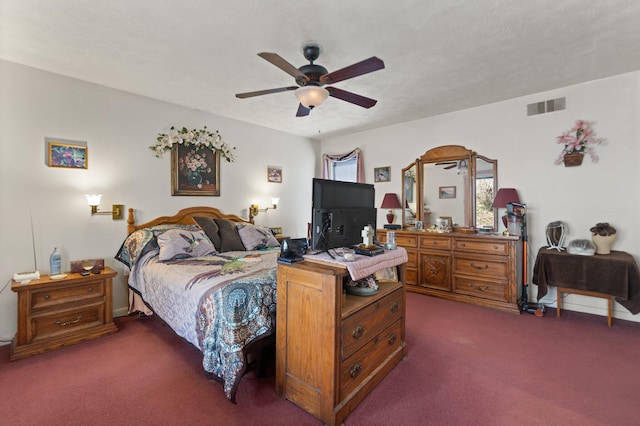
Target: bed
212,278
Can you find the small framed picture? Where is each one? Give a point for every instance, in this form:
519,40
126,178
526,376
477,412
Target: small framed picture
276,230
69,154
274,174
446,221
447,192
387,275
382,174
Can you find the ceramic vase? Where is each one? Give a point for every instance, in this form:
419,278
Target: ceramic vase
603,243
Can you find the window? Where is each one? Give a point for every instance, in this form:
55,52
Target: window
345,167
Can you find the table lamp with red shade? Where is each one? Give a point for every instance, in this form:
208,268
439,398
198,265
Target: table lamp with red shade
390,201
504,197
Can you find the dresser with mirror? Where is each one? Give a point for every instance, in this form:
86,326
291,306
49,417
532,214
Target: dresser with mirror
449,230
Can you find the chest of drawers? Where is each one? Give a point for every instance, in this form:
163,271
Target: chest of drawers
57,313
480,269
332,349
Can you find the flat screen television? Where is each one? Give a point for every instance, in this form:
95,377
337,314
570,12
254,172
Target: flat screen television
340,210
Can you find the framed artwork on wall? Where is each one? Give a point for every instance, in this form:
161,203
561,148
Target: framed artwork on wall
68,154
382,174
195,171
447,192
274,174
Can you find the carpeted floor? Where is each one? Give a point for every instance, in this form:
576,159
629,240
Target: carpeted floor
465,365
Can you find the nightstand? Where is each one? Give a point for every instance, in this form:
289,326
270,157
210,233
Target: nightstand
57,313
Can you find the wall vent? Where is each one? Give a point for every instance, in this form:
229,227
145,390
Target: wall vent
551,105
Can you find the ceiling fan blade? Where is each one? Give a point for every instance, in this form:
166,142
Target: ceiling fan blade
303,111
362,67
285,66
351,97
264,92
449,167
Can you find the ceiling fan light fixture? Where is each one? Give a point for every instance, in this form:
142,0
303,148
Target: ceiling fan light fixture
311,96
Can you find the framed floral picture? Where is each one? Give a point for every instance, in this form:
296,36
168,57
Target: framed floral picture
447,192
67,154
274,174
382,174
195,170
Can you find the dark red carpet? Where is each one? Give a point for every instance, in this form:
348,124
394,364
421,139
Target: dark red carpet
466,365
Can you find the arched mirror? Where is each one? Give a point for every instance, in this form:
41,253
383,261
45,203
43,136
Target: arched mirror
453,183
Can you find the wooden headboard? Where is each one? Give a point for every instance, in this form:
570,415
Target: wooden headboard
184,217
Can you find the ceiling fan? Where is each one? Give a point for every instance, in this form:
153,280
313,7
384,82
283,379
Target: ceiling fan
311,77
448,164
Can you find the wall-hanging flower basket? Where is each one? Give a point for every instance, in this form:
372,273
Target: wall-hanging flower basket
572,160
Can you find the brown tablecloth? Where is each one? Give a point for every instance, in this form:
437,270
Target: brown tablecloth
615,274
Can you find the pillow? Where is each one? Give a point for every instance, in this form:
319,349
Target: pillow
182,243
229,238
255,237
210,227
134,246
144,240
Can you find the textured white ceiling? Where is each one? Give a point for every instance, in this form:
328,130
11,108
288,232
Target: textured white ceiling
440,55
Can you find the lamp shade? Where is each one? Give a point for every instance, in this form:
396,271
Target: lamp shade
311,96
504,197
391,201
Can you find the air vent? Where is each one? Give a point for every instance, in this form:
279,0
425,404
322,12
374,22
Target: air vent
551,105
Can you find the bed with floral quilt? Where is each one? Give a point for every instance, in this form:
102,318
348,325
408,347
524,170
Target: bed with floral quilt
212,278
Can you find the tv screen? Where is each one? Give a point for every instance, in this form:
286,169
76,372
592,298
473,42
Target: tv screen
340,211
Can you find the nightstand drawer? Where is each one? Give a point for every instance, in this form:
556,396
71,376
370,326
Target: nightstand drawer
72,293
362,326
360,366
69,321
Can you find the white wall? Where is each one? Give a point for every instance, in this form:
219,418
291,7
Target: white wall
118,128
526,148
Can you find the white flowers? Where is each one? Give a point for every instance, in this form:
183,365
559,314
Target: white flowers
202,138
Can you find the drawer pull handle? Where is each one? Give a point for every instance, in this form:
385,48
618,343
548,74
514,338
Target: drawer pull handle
392,339
90,289
462,245
355,371
66,323
358,332
479,267
496,247
478,287
47,296
394,307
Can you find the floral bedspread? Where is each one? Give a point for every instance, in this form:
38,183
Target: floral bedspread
218,303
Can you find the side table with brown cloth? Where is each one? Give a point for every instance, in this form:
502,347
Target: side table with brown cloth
615,274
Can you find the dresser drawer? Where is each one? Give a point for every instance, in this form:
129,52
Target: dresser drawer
406,240
486,289
435,242
70,321
363,363
365,324
411,276
496,267
60,295
482,247
412,258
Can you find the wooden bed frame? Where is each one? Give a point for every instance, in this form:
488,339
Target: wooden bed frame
185,217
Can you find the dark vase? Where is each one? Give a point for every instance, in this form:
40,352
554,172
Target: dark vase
194,178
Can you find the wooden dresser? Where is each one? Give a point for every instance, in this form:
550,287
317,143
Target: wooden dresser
473,268
57,313
332,349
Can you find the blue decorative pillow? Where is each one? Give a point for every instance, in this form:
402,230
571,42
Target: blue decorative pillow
142,241
181,243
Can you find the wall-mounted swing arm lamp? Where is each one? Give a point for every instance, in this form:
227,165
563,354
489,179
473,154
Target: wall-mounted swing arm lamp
117,210
254,209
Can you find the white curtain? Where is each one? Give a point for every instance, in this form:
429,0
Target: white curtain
328,160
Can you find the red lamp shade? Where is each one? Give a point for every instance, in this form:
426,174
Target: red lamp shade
390,201
504,197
